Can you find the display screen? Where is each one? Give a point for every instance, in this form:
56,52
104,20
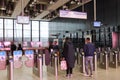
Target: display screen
2,53
23,19
72,14
96,23
19,52
29,52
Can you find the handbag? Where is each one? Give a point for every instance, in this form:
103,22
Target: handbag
63,65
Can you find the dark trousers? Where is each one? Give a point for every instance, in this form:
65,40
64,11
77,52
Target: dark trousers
69,70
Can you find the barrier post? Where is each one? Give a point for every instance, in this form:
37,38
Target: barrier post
56,67
10,69
95,61
40,68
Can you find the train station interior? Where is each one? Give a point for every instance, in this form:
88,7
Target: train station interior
35,25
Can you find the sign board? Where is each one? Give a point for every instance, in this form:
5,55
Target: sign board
2,60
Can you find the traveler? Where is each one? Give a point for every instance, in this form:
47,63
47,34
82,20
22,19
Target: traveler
89,49
19,47
12,47
69,56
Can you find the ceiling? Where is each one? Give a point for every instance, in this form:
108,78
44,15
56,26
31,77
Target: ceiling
37,9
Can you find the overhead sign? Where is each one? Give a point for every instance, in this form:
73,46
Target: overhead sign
72,14
23,19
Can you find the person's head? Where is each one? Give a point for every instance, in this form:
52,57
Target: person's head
87,40
19,45
67,39
55,42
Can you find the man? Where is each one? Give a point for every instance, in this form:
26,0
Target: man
89,49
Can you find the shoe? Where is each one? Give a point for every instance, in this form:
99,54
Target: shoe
67,76
70,75
91,75
86,75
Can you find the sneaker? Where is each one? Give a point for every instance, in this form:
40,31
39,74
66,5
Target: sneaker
67,76
86,75
70,75
91,75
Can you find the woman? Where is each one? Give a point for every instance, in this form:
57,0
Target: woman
69,56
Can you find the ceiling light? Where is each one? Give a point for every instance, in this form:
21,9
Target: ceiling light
72,2
51,2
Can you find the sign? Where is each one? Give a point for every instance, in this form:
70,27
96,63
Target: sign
2,60
30,55
72,14
23,19
17,62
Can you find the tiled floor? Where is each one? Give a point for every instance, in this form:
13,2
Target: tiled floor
25,73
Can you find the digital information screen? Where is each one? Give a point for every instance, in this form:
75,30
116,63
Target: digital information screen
23,19
29,54
72,14
2,55
17,54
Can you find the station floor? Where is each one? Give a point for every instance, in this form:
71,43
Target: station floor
25,73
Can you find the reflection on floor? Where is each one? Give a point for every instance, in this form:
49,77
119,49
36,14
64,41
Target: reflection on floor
25,73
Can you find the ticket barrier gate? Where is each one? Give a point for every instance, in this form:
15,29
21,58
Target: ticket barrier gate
95,62
104,60
77,55
53,68
15,62
118,56
38,68
113,59
82,63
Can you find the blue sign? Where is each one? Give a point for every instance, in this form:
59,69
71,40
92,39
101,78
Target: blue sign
19,52
2,53
28,52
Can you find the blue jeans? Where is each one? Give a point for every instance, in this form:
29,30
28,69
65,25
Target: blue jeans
89,62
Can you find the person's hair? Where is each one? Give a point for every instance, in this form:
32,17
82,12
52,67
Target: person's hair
88,38
67,38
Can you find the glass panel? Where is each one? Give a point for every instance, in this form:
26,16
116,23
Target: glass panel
27,32
35,30
44,33
17,31
8,29
1,29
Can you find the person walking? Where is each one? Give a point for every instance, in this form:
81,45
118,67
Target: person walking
69,56
89,49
